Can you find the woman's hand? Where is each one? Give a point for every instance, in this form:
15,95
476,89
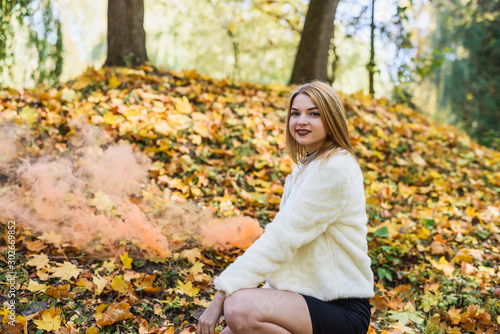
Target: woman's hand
209,318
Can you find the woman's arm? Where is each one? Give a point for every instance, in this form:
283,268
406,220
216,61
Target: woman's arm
209,318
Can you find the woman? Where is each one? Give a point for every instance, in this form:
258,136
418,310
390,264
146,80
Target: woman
313,255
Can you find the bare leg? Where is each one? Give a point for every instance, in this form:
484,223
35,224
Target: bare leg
267,311
226,330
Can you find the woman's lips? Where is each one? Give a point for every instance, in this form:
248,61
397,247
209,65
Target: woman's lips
302,132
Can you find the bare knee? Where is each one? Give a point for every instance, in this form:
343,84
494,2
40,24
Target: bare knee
237,312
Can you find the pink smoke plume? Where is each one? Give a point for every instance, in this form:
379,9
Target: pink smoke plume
87,197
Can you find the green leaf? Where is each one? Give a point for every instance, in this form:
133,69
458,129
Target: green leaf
384,273
382,232
428,223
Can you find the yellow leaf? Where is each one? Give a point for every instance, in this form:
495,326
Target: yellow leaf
191,255
110,266
68,95
119,284
455,315
34,286
50,321
127,261
196,192
92,330
66,271
187,289
400,326
444,266
423,233
43,274
100,283
183,106
158,310
197,268
201,129
29,114
113,82
98,311
112,119
38,261
84,283
163,127
195,139
417,159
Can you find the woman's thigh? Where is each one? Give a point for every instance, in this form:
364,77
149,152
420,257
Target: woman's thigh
283,308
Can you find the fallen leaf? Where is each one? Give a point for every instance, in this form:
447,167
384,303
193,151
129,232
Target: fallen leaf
119,284
34,286
127,261
405,317
455,315
113,82
187,288
50,321
401,327
100,283
145,283
61,291
30,115
110,266
98,311
66,271
192,255
39,261
197,268
35,246
92,330
115,313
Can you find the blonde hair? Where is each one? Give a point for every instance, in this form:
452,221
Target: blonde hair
332,113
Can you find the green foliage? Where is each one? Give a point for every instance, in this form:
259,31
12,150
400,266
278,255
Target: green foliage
40,20
385,258
251,41
466,43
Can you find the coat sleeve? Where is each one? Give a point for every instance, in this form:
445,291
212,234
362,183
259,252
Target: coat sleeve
316,203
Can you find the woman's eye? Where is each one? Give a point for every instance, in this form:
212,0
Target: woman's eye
294,113
315,113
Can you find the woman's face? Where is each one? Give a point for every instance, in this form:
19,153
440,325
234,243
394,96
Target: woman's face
306,125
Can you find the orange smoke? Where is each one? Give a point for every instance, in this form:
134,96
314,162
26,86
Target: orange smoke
239,232
98,193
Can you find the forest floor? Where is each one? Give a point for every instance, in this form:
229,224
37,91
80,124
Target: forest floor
124,192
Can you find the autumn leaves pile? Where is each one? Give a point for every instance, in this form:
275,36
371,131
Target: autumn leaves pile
203,150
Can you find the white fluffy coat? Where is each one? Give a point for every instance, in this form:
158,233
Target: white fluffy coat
316,245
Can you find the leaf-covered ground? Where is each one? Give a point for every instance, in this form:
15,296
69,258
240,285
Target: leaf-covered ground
108,184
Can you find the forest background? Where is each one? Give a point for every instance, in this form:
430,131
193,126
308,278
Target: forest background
436,55
166,117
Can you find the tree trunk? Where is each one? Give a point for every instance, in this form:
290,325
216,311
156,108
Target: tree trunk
371,64
335,59
126,35
311,62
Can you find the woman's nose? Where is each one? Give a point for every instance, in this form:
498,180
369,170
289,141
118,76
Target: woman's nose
302,119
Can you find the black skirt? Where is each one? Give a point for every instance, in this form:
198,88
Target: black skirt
341,316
